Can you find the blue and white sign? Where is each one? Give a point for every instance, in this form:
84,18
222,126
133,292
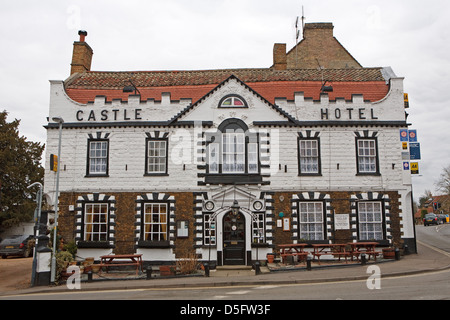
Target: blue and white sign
403,135
405,165
414,151
412,135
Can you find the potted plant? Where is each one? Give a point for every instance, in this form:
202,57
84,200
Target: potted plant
270,257
63,258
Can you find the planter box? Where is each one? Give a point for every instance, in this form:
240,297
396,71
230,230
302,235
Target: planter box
389,253
167,270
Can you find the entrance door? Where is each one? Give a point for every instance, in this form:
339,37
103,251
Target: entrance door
233,239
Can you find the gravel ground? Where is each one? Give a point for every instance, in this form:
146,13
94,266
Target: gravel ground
15,273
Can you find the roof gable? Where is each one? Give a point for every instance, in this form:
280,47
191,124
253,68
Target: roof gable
257,108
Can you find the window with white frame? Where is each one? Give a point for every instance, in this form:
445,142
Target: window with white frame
367,155
209,227
233,152
258,228
311,220
252,157
97,157
309,156
156,156
155,222
96,221
370,220
213,159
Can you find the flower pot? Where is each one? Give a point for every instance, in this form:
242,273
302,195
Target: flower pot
95,268
388,253
270,257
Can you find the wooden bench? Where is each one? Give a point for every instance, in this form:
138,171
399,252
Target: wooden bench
301,256
291,250
108,261
330,249
368,253
368,248
331,253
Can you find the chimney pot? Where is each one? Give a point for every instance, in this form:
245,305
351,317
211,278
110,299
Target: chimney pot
82,34
82,55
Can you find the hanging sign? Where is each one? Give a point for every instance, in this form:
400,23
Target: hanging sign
53,162
414,151
414,168
403,134
412,135
406,100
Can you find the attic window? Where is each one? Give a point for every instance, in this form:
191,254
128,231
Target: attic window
232,101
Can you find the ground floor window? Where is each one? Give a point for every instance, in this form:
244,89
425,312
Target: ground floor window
370,220
258,228
209,225
155,222
311,220
95,222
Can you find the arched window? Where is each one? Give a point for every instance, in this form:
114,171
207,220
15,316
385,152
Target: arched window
232,101
232,151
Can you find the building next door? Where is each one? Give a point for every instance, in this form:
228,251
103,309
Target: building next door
233,239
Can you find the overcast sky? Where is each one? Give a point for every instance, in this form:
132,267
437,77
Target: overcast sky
411,36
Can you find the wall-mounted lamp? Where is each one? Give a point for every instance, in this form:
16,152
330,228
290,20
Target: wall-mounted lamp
326,88
128,89
235,208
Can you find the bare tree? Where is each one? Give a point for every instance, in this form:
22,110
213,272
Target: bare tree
443,183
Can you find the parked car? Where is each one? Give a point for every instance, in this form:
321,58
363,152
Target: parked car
430,218
16,246
442,218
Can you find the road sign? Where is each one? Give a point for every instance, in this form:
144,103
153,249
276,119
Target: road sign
412,135
53,162
403,134
405,165
414,151
414,168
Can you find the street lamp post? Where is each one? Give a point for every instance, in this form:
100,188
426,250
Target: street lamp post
60,121
37,217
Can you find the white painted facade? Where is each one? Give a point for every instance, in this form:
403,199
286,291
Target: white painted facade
127,124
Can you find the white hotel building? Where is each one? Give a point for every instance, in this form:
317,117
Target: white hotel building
307,154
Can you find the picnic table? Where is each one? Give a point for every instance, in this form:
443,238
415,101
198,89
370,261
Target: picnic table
367,248
335,249
114,260
293,250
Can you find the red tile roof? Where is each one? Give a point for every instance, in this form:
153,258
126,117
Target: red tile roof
268,83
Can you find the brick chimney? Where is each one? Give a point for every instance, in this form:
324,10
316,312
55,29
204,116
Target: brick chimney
322,30
82,55
319,46
279,56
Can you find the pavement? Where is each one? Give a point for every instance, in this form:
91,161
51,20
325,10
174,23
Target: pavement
428,259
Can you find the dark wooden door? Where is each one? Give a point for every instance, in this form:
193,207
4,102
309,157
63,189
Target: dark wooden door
234,239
